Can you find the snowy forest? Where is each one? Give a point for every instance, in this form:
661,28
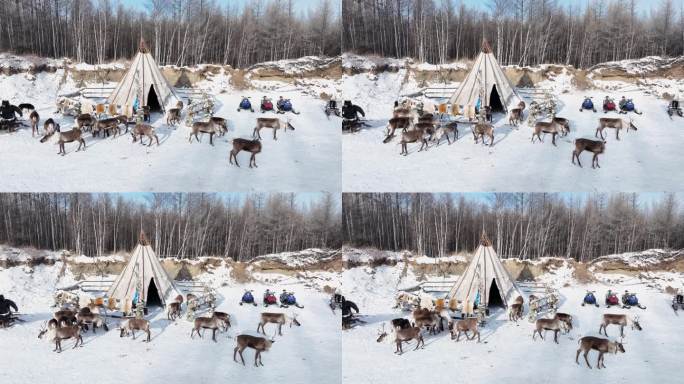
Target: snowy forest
521,32
523,225
180,224
178,32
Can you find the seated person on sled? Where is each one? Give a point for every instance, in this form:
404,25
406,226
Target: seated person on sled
350,115
7,113
5,310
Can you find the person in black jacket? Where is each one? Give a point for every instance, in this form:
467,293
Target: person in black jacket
5,306
351,111
7,113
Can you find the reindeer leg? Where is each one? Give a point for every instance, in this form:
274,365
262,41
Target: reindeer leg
586,358
280,329
242,357
211,138
598,360
622,331
555,336
213,335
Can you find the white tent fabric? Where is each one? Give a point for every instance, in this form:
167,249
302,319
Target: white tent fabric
486,75
483,273
142,77
143,269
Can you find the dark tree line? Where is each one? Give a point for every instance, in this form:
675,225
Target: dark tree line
522,32
520,225
180,32
180,224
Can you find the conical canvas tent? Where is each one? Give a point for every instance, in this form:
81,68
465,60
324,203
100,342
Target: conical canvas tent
143,278
485,278
145,82
488,83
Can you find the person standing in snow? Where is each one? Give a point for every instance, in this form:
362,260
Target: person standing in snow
5,309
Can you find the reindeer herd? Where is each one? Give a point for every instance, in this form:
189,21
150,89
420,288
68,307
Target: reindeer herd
74,323
431,321
426,128
119,125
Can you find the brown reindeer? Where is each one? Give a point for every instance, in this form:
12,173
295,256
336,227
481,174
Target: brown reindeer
34,117
426,318
221,123
75,134
617,123
587,343
551,127
142,129
563,122
85,120
213,323
173,116
463,326
412,137
173,311
445,130
566,319
92,319
132,325
426,118
408,334
225,318
621,320
65,317
49,128
205,127
554,325
515,117
251,146
259,344
271,122
401,112
276,318
179,105
482,129
515,312
57,334
107,125
403,123
593,146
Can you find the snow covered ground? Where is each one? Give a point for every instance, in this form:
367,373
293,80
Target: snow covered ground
507,352
640,161
307,354
307,159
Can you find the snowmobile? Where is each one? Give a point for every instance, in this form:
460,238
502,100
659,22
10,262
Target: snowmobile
287,299
331,109
674,108
266,105
270,298
248,298
630,300
245,104
285,105
678,302
628,106
587,104
590,299
612,299
609,105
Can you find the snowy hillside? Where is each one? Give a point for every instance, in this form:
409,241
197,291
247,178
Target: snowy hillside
310,353
638,162
507,352
307,159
